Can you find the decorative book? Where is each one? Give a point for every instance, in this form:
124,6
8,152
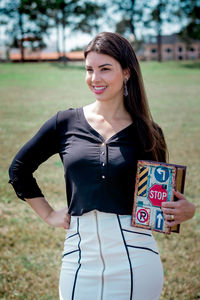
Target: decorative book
154,184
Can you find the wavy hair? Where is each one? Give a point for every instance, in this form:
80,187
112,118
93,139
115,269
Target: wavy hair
149,133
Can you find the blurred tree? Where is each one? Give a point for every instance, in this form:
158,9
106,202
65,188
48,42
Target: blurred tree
24,24
155,19
30,20
74,14
131,12
189,11
156,16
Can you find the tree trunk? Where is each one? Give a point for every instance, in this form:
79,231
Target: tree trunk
63,41
159,31
22,36
159,47
57,39
63,36
132,17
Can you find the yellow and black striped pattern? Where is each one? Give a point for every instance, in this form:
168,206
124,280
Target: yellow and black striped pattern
142,184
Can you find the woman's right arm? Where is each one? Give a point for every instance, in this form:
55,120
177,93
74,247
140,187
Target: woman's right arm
37,150
59,218
44,144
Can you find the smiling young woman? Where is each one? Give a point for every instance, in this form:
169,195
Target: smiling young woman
104,257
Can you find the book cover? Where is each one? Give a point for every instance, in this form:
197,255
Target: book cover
154,184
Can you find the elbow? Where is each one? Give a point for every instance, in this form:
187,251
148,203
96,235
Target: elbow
14,174
11,173
15,169
22,180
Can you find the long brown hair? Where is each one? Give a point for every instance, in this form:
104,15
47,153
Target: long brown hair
149,133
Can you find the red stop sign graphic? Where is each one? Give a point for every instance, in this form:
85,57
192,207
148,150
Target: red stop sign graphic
157,195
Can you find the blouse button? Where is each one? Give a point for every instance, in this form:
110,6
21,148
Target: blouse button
103,176
103,164
103,153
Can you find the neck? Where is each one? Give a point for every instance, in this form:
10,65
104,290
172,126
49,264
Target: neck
109,109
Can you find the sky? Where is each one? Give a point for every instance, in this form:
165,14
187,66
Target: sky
78,39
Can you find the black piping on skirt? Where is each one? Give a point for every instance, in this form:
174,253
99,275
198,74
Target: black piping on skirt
144,248
70,252
131,271
79,261
143,233
71,236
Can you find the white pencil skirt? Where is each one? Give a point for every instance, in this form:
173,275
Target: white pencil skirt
105,258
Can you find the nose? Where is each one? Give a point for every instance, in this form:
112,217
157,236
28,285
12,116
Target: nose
95,76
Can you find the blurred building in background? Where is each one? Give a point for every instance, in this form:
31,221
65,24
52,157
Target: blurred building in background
43,55
3,52
172,48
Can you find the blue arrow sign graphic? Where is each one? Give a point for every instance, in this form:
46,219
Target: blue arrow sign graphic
159,220
161,174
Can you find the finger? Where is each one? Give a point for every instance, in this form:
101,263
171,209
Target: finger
68,220
67,223
66,226
66,210
171,205
178,194
171,223
170,217
68,217
169,211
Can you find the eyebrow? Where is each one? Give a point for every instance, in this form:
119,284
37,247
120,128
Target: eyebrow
100,65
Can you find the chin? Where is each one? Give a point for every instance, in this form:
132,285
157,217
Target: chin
102,99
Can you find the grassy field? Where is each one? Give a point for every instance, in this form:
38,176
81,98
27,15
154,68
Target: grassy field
30,249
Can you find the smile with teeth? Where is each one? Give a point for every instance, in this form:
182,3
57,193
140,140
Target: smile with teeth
99,89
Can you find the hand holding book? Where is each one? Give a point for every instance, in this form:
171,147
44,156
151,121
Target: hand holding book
182,210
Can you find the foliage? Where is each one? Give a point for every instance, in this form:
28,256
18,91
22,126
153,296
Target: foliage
131,12
155,15
31,19
24,23
190,9
75,14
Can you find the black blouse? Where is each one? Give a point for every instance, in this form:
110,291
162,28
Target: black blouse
99,175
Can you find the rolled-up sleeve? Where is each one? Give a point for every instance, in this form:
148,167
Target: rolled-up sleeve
37,150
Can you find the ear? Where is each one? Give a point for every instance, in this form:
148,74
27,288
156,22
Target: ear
126,73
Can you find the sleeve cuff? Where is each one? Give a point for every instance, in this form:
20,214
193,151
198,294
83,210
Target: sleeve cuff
30,191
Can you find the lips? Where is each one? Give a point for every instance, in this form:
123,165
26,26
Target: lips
99,89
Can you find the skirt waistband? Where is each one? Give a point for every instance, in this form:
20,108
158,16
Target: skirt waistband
100,213
103,216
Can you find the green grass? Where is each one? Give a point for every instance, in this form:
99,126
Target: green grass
30,249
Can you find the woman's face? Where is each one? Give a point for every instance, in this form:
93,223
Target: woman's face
105,76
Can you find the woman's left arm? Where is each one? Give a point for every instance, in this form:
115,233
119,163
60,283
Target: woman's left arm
178,211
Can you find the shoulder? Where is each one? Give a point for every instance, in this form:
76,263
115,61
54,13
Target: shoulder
67,119
58,119
66,115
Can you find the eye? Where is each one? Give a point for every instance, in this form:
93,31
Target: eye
105,69
89,70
